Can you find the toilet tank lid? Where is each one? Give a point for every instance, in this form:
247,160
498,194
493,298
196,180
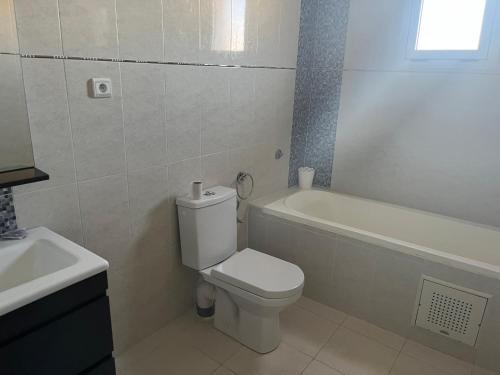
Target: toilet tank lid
209,197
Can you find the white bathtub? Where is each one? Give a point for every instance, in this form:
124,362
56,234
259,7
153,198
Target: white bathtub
468,246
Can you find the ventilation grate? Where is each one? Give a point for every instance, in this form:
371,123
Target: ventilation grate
450,310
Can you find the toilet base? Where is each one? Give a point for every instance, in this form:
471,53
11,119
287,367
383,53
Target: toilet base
254,326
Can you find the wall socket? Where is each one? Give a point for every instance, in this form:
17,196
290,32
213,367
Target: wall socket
100,88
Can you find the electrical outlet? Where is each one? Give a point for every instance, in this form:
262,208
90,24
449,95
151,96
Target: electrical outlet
100,88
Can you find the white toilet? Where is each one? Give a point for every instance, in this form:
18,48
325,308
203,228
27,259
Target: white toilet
251,287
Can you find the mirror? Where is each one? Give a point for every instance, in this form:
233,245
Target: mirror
17,164
16,151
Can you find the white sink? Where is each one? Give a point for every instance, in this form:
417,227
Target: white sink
41,264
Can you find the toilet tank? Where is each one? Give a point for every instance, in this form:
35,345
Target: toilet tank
208,227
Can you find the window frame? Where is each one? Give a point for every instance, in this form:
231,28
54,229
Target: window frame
480,54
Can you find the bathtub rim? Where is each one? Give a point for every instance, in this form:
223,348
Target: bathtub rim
274,205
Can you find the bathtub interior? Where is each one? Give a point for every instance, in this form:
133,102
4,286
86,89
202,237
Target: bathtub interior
374,283
444,234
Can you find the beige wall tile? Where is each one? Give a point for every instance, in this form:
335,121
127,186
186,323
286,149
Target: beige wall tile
140,29
143,88
38,27
105,215
56,209
97,123
244,32
289,32
216,126
183,100
242,131
89,28
215,31
182,30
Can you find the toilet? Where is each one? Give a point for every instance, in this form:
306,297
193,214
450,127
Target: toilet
251,288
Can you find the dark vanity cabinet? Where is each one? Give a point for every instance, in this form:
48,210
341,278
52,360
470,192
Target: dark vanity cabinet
65,333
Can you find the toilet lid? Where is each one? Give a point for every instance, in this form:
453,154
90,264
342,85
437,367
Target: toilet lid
261,274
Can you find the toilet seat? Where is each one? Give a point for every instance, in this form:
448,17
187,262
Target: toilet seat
252,288
260,274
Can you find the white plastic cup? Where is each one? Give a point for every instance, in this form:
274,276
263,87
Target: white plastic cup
196,189
306,177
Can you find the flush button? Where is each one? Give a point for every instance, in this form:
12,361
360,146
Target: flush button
208,193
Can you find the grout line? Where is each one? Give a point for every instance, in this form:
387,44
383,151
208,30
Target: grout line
307,366
70,123
166,109
126,172
217,369
60,25
397,357
333,368
342,325
44,189
199,30
116,29
314,357
431,364
373,339
163,6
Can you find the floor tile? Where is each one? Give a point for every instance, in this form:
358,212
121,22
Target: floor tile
437,359
171,332
223,371
138,361
175,358
283,360
201,334
317,368
481,371
192,346
321,310
378,334
304,330
354,354
406,365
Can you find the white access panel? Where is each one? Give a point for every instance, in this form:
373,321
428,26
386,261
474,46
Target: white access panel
450,310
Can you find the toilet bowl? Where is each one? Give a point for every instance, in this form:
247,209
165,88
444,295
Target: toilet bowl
251,290
251,287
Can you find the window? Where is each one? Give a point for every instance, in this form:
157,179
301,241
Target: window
451,29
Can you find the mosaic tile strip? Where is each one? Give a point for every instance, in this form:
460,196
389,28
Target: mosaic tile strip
323,31
7,211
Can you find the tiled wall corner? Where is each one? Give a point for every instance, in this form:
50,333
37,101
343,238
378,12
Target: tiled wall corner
323,30
7,211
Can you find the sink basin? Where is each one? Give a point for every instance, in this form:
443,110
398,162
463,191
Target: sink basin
41,264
